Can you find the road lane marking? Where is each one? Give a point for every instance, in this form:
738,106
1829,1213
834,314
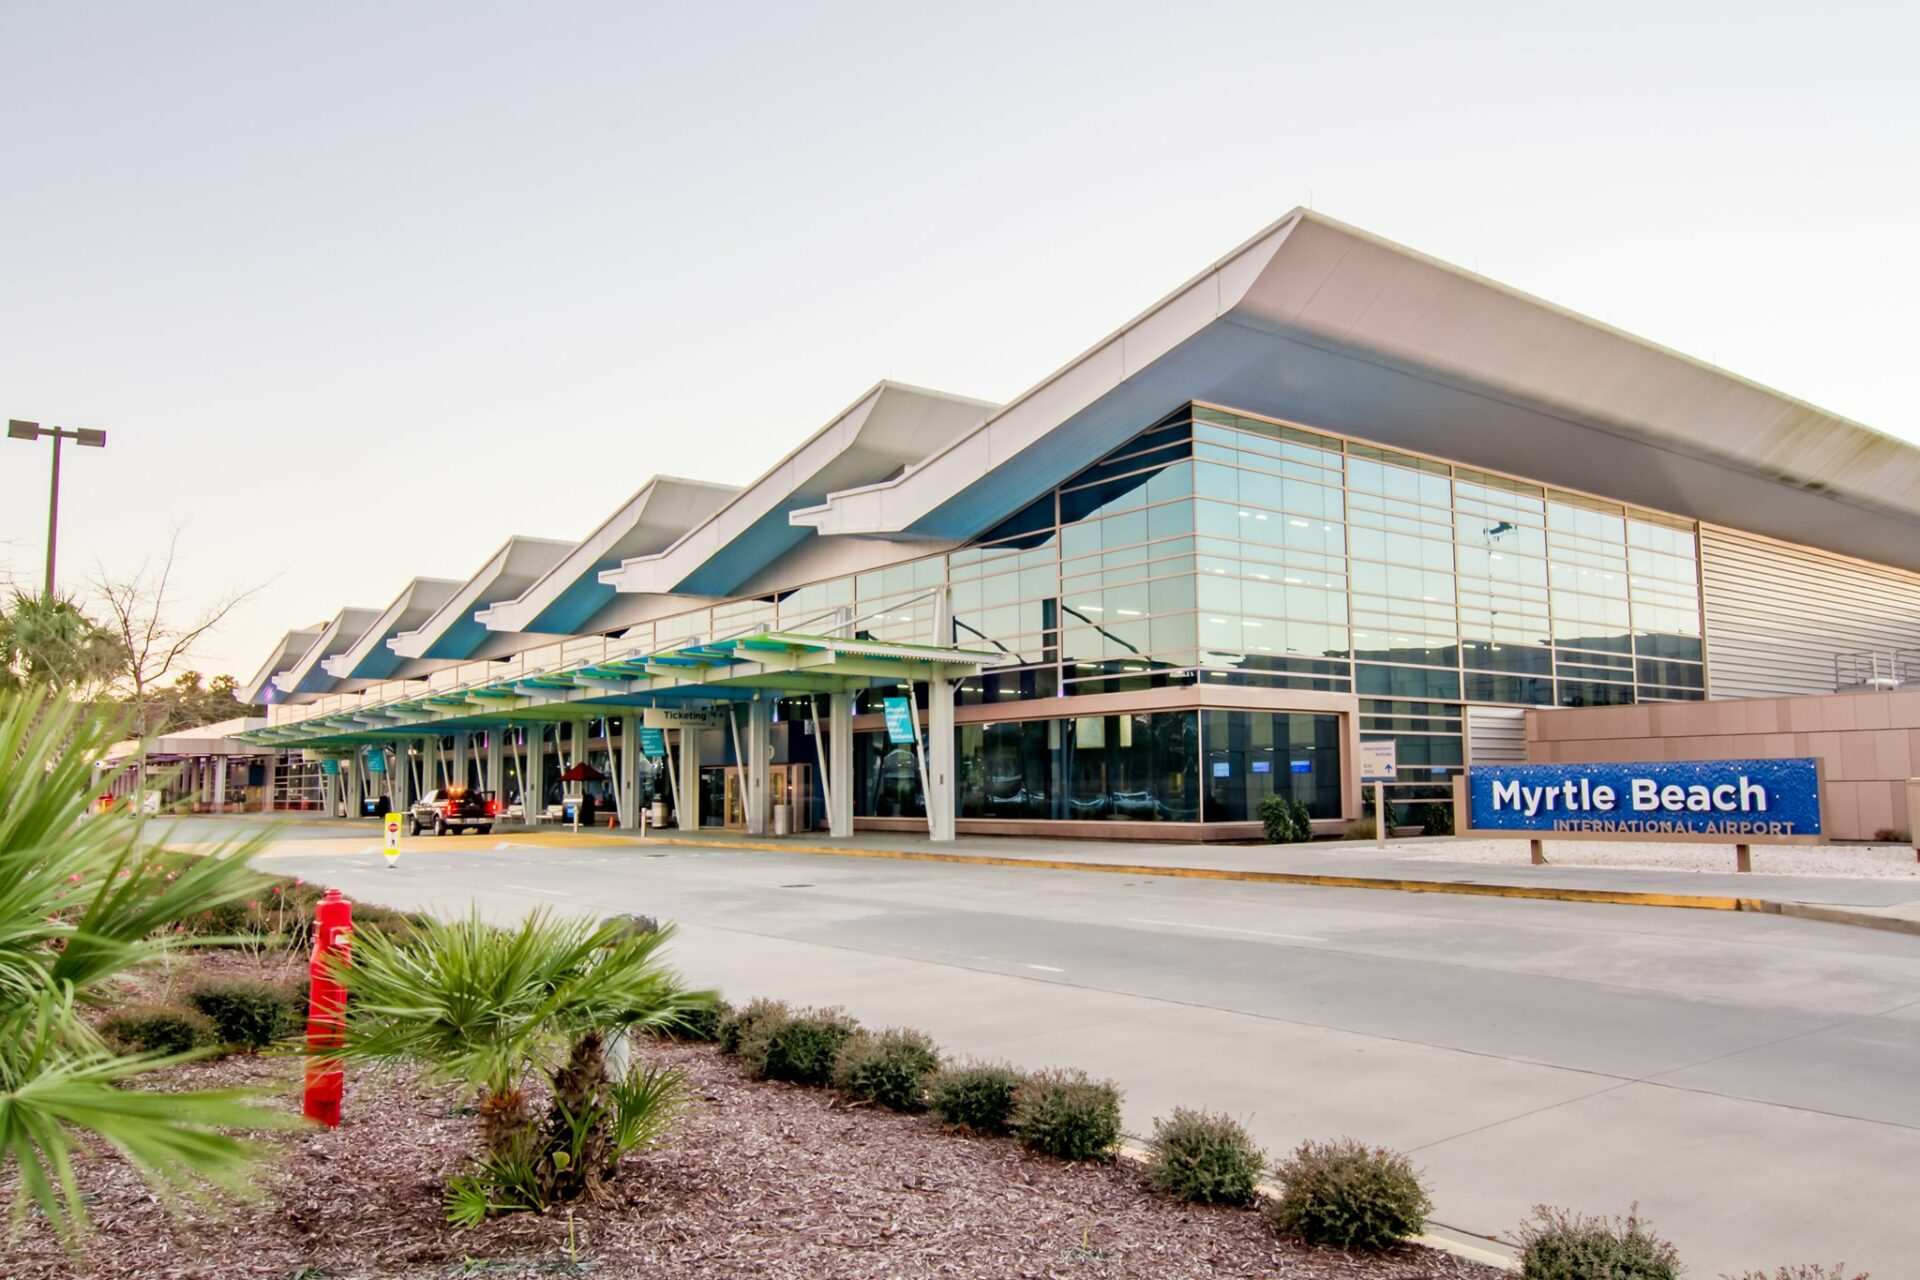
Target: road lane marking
1043,968
1225,928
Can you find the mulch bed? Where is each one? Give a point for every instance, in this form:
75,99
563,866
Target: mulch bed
762,1180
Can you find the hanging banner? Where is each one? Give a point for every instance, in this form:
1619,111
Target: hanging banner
653,743
376,762
899,720
329,767
1743,801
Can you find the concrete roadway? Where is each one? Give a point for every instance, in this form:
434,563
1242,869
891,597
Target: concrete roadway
1751,1080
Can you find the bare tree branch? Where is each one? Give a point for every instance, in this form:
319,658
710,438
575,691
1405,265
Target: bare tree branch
140,614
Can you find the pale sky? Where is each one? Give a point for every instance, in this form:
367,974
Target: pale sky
358,290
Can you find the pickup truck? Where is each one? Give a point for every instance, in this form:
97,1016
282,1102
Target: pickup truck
449,809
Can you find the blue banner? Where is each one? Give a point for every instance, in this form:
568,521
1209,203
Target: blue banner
653,743
1757,799
899,720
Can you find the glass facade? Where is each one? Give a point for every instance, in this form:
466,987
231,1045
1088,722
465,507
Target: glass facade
1220,548
1142,767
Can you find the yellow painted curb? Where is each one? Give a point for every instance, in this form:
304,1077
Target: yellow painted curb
1545,893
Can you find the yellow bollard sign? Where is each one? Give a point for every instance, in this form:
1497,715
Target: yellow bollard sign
392,849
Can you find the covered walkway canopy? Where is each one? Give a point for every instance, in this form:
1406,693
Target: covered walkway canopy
578,681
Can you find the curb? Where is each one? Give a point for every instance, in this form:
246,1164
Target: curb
1840,915
1462,888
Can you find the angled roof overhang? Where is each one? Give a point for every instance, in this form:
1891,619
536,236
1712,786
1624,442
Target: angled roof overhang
889,427
590,678
307,676
369,658
291,645
1324,324
451,631
565,598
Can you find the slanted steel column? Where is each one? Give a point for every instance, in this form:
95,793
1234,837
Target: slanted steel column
627,768
940,793
688,796
758,766
839,762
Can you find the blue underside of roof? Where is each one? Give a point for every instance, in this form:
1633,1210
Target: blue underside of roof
459,640
572,608
763,542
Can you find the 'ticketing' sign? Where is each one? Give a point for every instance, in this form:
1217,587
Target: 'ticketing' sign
1748,801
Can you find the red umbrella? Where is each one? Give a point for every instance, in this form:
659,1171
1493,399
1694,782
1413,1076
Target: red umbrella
583,772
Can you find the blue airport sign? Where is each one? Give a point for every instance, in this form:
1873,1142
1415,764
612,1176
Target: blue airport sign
1740,801
653,743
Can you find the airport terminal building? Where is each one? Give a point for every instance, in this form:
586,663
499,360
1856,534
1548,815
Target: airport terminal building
1329,490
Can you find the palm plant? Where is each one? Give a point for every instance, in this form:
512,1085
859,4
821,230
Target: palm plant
83,901
491,1008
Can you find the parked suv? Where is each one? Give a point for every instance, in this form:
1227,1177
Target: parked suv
451,809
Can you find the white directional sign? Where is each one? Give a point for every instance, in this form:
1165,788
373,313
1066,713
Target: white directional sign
1379,761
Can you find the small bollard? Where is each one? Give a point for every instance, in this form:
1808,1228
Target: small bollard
326,1009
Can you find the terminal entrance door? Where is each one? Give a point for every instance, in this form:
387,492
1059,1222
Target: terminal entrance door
790,784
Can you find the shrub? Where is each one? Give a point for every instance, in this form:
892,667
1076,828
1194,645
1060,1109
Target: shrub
1205,1158
1805,1271
1067,1114
1436,820
1349,1195
798,1047
1557,1244
158,1029
1362,828
890,1067
703,1022
977,1096
738,1024
1285,820
251,1015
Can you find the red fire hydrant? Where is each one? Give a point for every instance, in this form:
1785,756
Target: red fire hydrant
327,1009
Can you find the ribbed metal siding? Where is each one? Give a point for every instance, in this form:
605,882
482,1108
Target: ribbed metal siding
1777,614
1496,735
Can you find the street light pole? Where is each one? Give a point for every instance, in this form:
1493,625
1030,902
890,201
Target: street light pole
86,438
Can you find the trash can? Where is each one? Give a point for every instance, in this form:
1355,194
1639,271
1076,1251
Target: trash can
659,818
782,819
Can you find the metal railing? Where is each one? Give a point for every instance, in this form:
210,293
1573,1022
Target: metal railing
1876,669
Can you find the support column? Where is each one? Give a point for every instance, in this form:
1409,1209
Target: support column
350,783
493,777
270,779
400,777
627,767
533,791
839,764
940,797
759,765
689,764
220,783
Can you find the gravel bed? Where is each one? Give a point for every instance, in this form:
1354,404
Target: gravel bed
1869,861
760,1180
